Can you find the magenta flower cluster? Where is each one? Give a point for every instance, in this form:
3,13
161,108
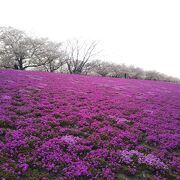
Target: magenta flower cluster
60,126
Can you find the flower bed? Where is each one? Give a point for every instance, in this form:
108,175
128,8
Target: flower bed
83,127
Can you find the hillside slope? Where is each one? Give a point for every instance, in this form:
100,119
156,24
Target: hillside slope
73,126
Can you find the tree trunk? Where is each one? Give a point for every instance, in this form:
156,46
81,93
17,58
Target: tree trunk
20,62
69,68
16,66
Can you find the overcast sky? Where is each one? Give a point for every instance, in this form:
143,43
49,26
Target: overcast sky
144,33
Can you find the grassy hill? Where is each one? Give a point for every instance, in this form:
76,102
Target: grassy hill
82,127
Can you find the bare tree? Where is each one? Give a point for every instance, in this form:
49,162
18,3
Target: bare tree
79,55
90,67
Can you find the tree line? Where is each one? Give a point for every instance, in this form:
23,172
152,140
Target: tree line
21,51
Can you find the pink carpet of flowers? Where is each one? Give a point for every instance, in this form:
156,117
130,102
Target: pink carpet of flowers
60,126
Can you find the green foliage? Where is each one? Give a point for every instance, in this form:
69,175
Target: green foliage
36,174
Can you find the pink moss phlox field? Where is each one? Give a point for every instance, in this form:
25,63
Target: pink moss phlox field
60,126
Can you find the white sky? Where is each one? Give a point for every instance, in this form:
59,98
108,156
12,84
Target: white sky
144,33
